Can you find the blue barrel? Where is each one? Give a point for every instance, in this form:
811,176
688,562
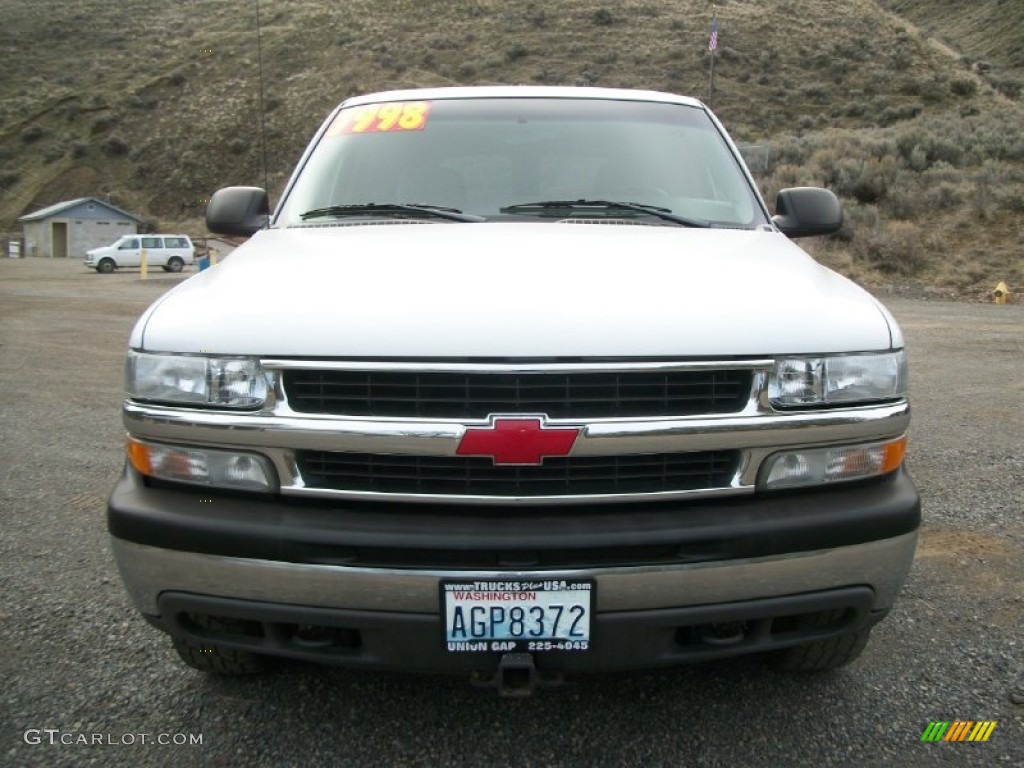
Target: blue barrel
203,262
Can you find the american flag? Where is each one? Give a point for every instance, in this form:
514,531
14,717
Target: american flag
713,40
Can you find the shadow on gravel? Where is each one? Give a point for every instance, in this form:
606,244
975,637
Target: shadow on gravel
621,718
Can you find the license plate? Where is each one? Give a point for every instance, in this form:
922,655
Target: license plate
517,616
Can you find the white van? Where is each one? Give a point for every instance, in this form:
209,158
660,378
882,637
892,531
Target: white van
171,252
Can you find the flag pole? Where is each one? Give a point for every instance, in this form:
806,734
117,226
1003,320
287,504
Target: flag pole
712,46
711,80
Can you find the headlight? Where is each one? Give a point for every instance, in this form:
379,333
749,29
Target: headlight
817,466
838,380
202,466
228,382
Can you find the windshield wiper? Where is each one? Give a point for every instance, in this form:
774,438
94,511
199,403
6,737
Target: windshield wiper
392,209
607,205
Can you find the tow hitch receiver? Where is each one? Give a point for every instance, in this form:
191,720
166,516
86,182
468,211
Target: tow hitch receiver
517,676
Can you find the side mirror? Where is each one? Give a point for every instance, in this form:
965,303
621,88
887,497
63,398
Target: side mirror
807,211
238,211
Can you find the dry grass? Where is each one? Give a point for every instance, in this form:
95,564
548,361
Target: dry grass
990,32
925,152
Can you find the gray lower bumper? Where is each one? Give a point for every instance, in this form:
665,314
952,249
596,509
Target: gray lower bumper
149,571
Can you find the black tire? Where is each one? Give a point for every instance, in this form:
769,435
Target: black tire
174,264
166,269
219,661
215,660
821,655
106,266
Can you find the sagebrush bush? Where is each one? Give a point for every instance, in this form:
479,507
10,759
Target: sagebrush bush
515,52
536,17
943,197
857,218
964,86
115,146
855,109
894,114
866,180
903,198
918,159
1013,201
933,89
790,150
1011,86
935,146
901,58
894,248
983,198
32,133
102,124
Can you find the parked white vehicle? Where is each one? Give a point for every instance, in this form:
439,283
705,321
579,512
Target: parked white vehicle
517,382
171,252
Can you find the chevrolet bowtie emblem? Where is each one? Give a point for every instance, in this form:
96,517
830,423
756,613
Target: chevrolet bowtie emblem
524,441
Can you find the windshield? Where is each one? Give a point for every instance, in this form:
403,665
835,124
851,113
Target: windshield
493,157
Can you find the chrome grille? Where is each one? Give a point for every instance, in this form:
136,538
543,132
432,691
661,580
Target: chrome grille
476,395
557,476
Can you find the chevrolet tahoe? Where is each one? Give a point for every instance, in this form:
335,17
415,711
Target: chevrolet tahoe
516,382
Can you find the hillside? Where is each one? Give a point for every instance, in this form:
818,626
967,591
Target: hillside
990,33
155,105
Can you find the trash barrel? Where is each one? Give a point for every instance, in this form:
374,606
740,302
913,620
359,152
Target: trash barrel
203,262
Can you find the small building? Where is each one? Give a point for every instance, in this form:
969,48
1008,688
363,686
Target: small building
71,228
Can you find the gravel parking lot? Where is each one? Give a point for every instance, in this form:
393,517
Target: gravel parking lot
78,664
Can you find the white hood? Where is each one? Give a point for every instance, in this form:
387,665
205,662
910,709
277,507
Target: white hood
525,290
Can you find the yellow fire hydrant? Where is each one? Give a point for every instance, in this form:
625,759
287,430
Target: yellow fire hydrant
1001,294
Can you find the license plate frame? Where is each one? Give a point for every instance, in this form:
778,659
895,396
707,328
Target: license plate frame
554,615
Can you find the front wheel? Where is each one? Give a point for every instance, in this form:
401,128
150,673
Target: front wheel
216,660
175,264
220,661
105,267
821,655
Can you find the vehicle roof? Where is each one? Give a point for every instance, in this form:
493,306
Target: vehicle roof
522,91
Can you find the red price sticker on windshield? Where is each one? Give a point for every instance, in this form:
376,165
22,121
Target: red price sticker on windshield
382,118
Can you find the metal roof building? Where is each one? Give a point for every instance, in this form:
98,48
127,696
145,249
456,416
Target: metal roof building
70,228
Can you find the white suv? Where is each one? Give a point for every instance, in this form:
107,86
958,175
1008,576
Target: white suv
491,414
172,252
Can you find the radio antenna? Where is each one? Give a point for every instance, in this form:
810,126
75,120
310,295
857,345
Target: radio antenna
263,119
